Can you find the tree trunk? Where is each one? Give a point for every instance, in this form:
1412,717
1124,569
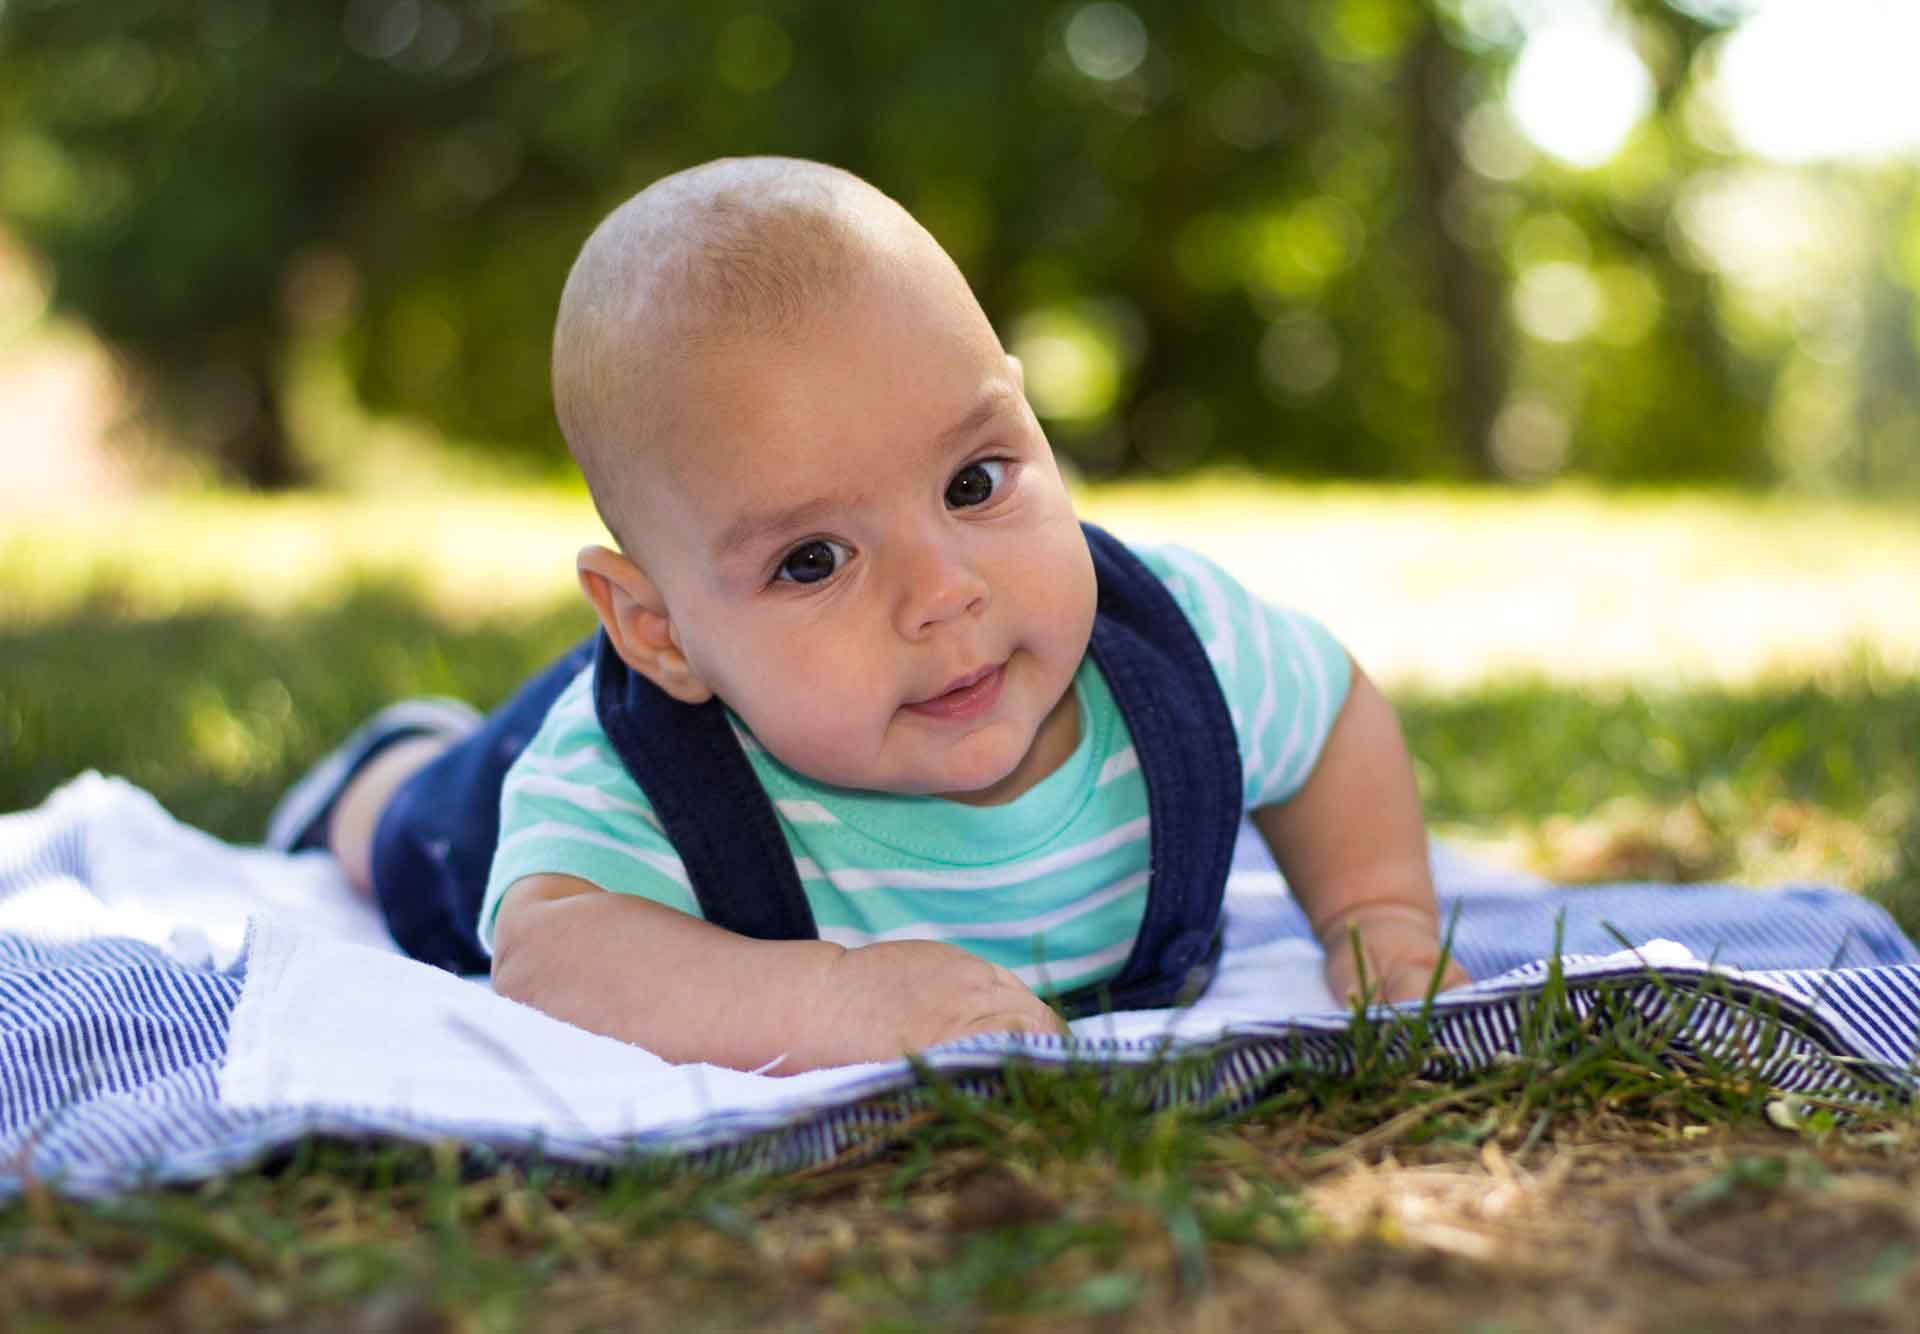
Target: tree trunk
1466,295
219,396
258,451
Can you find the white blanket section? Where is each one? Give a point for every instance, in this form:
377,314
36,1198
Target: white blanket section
333,1015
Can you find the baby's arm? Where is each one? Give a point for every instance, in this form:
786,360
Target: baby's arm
690,991
1353,847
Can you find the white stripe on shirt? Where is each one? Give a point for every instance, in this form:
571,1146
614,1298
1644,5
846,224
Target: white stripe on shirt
579,706
583,795
1269,695
1288,760
1056,973
854,938
669,866
807,812
852,879
558,766
1122,762
1219,622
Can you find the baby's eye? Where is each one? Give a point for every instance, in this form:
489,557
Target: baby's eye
810,562
975,483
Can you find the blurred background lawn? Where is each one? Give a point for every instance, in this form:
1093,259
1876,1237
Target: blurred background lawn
1561,355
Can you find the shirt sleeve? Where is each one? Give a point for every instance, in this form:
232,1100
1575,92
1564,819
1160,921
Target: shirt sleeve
1285,677
569,807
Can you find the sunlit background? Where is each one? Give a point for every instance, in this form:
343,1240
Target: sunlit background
1511,242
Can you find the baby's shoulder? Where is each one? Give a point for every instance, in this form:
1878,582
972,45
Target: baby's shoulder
1210,597
570,757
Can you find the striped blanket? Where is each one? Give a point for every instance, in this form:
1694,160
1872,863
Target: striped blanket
173,1007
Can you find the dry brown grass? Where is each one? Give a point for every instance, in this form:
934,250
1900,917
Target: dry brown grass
1614,1223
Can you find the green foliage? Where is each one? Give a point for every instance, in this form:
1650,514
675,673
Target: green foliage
216,712
1234,231
174,162
1529,751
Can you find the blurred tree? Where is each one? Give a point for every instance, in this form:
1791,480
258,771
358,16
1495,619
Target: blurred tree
172,161
1436,87
1260,231
1650,389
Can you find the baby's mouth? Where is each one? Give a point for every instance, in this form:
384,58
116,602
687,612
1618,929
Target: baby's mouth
964,697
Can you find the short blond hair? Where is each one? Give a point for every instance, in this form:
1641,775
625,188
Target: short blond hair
733,249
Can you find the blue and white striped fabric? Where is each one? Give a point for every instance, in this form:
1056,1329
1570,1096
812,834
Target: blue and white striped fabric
143,1041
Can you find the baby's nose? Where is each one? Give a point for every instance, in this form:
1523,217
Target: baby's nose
941,586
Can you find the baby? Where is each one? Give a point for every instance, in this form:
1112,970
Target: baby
877,745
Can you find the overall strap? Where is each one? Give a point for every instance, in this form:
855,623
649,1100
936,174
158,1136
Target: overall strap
1168,694
711,805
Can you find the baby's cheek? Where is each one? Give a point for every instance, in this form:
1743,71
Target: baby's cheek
812,698
1063,601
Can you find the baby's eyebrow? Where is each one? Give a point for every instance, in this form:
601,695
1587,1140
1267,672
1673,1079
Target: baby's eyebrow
752,523
991,405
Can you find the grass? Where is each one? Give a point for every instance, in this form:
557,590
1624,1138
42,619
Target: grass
209,648
1435,586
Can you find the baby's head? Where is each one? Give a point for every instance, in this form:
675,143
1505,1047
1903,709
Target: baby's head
835,510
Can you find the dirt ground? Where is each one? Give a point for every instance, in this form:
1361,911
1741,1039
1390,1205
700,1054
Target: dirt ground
1721,1232
1732,1236
1634,1228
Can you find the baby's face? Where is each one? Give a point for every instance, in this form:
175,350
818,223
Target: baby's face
867,551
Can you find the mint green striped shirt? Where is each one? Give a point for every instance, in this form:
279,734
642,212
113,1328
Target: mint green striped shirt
1051,885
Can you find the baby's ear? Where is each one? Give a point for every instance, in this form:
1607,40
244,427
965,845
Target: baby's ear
634,615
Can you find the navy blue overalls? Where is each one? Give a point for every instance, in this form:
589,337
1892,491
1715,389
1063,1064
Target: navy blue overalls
435,842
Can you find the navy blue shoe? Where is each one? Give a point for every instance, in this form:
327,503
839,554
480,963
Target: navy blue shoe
300,820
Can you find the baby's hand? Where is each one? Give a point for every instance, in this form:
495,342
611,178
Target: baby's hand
898,996
1402,950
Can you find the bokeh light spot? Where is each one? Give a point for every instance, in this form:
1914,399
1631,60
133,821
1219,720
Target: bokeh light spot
1073,363
1106,41
1803,81
1297,251
381,29
1557,302
1579,89
1299,354
1530,439
1493,145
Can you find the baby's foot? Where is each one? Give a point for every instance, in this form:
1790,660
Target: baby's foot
300,819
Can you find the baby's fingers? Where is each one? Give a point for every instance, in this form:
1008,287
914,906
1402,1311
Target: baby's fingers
1035,1019
1014,1009
1410,981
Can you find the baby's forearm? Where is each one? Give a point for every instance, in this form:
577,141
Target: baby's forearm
689,991
1353,845
641,972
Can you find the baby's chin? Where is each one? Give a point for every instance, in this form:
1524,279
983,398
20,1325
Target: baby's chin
981,769
971,783
984,782
988,784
